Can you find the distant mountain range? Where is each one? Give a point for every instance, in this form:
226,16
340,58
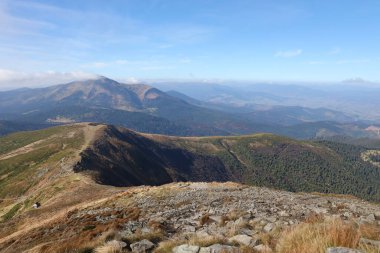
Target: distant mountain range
354,99
272,114
147,109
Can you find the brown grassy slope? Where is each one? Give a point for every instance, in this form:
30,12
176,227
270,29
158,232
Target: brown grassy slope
43,172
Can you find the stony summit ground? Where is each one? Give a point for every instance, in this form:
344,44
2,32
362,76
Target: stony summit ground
210,217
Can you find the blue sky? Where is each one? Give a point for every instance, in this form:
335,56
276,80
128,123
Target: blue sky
324,40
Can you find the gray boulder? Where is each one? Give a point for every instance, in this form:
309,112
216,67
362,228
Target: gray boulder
262,248
244,240
342,250
268,227
142,246
219,248
119,244
186,248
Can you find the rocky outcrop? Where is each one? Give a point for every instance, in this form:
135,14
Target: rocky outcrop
209,218
142,246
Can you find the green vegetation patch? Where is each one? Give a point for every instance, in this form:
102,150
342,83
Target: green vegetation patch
12,212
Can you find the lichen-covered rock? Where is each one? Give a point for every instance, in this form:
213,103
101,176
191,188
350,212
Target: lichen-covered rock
219,248
244,240
142,246
269,227
342,250
186,248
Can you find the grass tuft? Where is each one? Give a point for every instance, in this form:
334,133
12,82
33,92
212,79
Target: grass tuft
316,237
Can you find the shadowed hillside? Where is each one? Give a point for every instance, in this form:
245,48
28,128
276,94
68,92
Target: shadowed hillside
121,157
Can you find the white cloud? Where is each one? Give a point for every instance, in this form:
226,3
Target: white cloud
130,80
12,79
289,53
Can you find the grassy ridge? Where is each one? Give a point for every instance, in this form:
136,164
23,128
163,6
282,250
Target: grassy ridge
28,167
120,157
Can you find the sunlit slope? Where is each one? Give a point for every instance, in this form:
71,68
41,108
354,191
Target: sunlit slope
38,166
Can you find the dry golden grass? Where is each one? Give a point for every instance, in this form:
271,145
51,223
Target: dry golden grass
369,249
223,220
314,217
246,249
316,237
204,219
155,236
235,214
167,246
370,231
109,247
155,225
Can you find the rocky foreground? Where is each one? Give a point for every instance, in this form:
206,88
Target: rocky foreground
207,218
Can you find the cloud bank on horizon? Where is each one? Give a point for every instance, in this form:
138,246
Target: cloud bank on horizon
46,41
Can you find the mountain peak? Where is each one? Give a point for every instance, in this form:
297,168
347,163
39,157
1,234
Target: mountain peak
105,79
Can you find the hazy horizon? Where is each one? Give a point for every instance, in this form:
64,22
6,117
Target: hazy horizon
41,80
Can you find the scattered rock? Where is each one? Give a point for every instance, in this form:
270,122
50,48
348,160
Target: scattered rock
342,250
246,231
268,227
219,248
241,222
370,242
347,214
371,218
262,248
271,219
202,234
244,240
188,228
142,246
283,213
216,218
121,244
186,248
